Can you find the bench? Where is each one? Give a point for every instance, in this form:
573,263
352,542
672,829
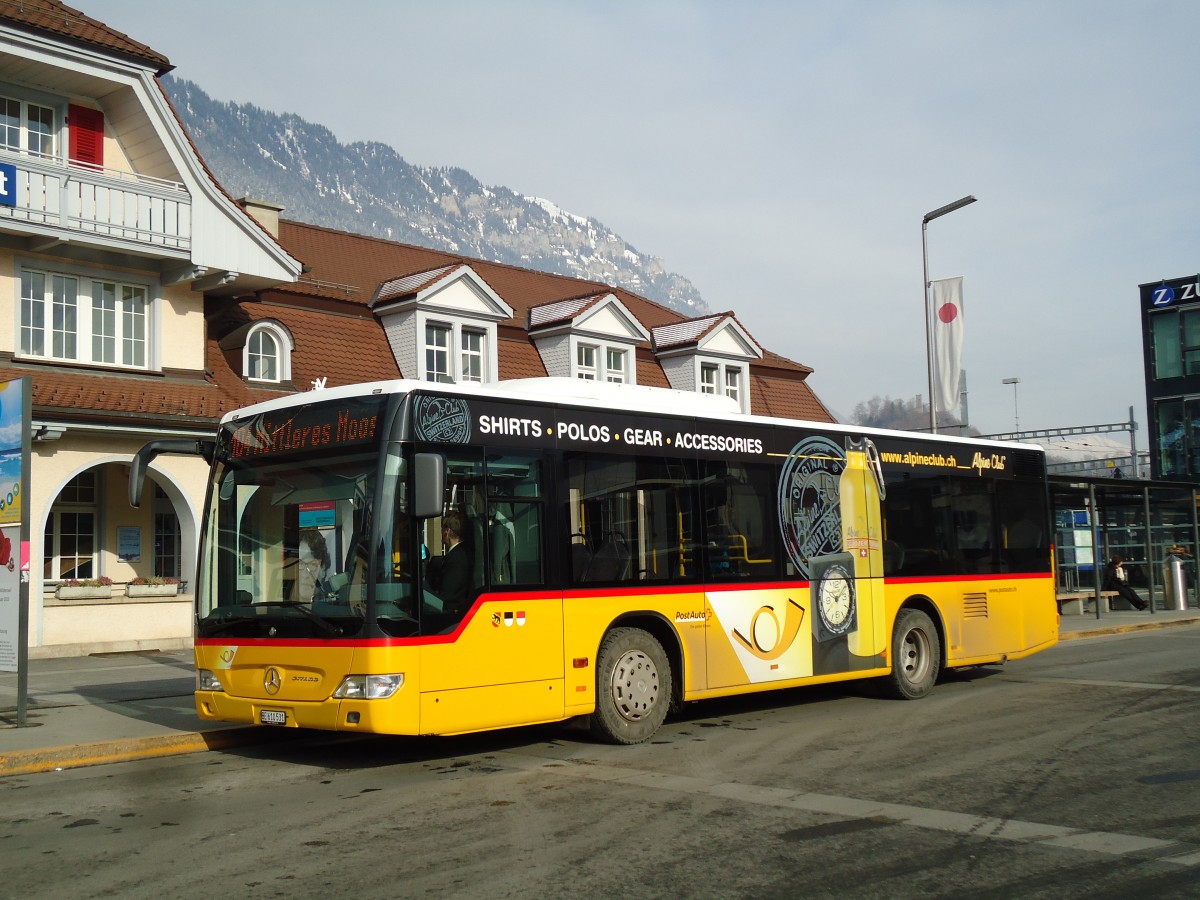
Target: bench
1072,601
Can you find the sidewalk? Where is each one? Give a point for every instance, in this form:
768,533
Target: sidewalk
90,710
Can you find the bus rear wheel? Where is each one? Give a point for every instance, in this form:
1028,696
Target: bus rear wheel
916,656
633,687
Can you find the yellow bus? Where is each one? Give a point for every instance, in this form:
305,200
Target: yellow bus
411,558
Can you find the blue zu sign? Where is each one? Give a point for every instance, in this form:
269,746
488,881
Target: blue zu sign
8,184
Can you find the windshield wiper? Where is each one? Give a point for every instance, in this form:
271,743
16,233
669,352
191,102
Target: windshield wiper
212,627
328,627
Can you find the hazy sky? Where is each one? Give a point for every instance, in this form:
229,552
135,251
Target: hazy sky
781,155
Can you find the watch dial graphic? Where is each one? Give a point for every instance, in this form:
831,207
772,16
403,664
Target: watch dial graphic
836,600
833,595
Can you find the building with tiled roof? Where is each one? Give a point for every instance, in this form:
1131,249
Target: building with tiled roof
148,303
113,237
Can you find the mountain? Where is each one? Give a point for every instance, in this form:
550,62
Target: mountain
368,188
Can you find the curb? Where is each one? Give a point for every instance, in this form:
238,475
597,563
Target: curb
74,756
1100,631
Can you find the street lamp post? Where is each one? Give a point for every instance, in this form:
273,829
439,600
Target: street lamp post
1016,419
929,217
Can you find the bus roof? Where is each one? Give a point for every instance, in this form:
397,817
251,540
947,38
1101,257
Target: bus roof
633,398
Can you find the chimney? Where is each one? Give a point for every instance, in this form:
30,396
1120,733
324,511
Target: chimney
266,214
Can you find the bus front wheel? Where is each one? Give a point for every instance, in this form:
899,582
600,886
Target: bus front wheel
633,687
916,656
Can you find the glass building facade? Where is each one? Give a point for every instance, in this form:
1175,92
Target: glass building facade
1096,519
1171,343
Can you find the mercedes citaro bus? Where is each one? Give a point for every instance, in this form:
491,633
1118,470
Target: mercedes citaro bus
413,558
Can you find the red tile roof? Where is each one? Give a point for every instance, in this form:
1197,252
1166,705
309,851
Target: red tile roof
66,22
339,339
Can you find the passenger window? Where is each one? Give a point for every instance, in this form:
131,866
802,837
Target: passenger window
631,519
514,520
740,540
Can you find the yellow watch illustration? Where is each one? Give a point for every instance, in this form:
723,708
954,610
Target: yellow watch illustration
833,596
836,599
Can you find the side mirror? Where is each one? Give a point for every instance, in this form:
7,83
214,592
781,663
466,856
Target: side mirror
142,459
429,475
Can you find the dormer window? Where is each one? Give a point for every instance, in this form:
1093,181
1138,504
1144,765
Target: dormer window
592,338
441,324
709,355
265,348
262,357
723,378
600,362
267,353
446,367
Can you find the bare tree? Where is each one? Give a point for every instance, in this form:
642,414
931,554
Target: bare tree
903,415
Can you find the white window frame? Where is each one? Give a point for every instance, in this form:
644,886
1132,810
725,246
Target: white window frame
463,361
61,507
472,354
719,384
26,137
58,317
587,361
441,353
610,362
283,358
615,368
130,314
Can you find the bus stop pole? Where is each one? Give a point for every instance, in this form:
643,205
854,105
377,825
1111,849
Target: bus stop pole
1150,552
1096,548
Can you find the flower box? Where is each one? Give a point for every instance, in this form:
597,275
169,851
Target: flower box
83,592
151,590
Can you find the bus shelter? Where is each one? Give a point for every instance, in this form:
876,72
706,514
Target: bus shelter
1096,519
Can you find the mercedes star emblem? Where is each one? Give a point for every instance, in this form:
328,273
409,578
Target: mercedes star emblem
272,681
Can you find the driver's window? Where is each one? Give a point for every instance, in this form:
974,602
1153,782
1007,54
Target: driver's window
455,541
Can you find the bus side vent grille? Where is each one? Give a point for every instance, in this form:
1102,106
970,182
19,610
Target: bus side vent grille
975,606
1027,463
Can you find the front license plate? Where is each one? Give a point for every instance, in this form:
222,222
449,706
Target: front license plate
272,717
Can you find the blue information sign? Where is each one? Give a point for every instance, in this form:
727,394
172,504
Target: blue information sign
8,184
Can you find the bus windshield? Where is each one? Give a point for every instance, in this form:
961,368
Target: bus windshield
287,549
287,539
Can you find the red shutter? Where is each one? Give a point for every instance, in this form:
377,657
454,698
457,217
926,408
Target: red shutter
87,135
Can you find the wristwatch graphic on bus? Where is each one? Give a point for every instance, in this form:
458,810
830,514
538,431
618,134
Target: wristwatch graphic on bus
833,595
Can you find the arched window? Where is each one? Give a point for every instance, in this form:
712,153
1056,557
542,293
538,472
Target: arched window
262,357
266,355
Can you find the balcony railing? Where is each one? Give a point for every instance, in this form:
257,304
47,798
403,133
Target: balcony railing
109,203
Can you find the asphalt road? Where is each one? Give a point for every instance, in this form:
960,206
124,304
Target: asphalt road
1071,774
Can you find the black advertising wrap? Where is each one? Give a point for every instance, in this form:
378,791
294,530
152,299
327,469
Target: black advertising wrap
461,420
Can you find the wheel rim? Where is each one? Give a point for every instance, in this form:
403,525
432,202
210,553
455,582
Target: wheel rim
915,655
634,685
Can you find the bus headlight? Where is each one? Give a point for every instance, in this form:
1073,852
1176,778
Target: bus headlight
207,681
368,687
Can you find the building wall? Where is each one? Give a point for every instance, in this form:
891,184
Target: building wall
681,372
556,354
69,628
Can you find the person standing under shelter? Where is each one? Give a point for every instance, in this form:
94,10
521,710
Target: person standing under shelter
1115,579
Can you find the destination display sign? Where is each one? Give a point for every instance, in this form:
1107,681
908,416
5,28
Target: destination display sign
316,427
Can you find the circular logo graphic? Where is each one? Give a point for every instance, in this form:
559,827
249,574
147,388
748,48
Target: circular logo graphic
810,510
445,420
